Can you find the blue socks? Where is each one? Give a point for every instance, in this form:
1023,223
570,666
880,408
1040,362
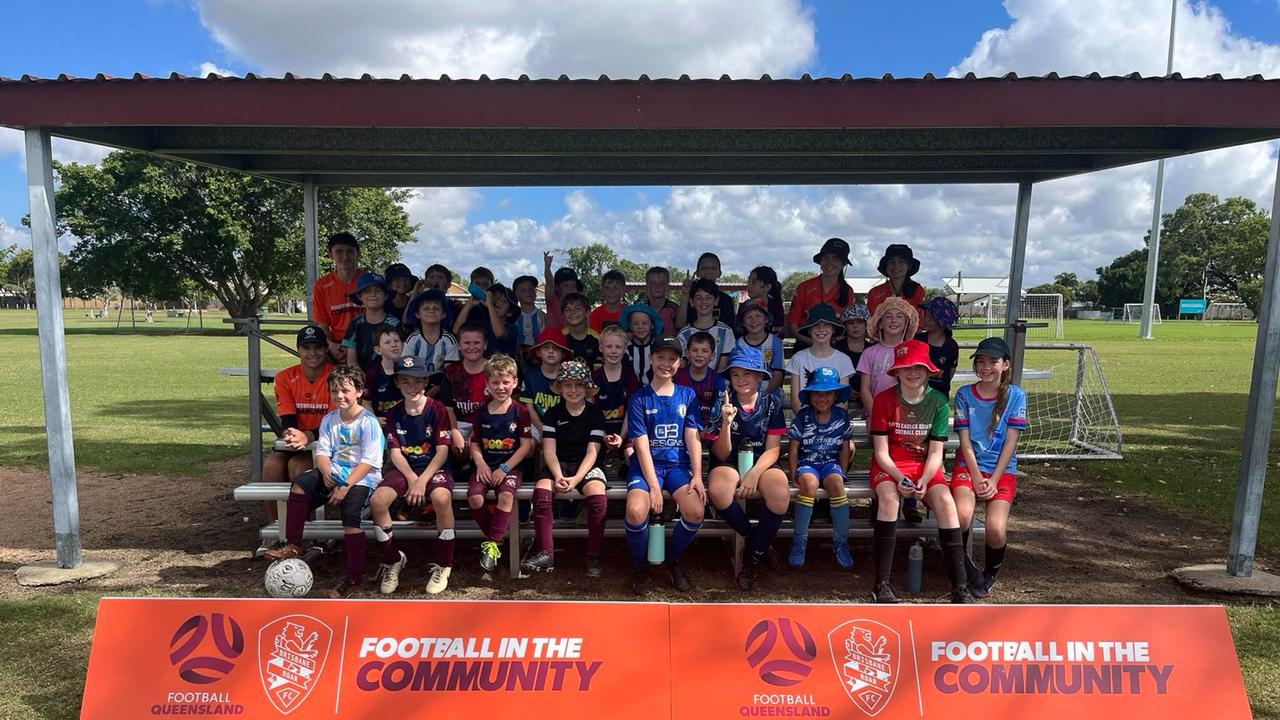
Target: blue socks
803,514
638,542
735,517
680,537
840,518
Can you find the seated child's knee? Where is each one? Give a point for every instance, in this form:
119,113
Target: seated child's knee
506,500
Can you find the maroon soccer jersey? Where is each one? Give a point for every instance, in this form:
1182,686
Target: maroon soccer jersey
463,392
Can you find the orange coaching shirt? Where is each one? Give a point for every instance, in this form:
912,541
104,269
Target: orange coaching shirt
296,395
333,307
809,293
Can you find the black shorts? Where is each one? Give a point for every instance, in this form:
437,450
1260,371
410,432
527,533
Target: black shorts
317,492
595,474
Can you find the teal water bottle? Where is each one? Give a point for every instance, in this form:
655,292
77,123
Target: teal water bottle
657,541
746,460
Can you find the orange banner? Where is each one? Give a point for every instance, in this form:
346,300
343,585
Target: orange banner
259,658
942,661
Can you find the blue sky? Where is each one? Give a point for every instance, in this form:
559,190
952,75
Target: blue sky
829,38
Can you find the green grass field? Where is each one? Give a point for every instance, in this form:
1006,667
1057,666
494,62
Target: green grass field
153,402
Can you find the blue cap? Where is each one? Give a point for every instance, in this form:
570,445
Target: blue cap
746,357
368,280
826,379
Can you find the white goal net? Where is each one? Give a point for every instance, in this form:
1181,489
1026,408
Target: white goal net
1133,313
1222,311
1046,307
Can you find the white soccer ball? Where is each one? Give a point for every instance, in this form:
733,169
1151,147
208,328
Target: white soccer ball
288,579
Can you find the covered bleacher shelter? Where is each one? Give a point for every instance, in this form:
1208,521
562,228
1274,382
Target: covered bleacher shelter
561,132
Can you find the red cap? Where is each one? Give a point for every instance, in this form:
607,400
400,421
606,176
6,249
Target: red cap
912,352
554,336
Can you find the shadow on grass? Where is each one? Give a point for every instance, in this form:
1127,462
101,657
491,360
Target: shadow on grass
186,414
125,331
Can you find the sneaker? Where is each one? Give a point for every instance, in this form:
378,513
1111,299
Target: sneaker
843,556
390,574
283,552
595,566
798,546
439,579
911,513
345,589
540,561
962,596
748,571
679,578
489,554
883,593
640,581
982,588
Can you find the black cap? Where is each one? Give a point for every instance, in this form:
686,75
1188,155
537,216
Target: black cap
412,366
834,246
666,342
311,335
994,347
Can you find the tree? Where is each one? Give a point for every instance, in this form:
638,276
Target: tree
1208,247
158,230
1053,288
792,281
592,261
18,274
1086,293
1067,280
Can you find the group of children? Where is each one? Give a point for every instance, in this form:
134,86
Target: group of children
493,390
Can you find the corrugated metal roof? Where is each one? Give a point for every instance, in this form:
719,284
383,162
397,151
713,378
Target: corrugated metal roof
525,79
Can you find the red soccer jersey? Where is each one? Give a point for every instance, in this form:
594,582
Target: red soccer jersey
306,399
810,293
598,318
332,306
884,291
463,392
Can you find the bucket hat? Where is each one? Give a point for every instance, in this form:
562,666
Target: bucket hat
902,251
910,354
825,379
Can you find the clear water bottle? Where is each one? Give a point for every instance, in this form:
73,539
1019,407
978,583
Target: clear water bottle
915,567
657,541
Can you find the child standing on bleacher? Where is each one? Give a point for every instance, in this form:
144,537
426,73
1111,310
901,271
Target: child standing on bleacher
583,344
939,314
572,439
703,296
855,341
612,286
501,442
531,320
381,392
430,342
708,386
642,324
908,433
821,447
898,265
418,435
372,294
991,415
348,456
745,445
663,423
464,387
755,321
401,281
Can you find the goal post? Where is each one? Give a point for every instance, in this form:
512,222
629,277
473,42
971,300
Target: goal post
1133,313
1226,311
1036,307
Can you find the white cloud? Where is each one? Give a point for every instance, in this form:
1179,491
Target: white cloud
207,67
13,235
13,144
505,38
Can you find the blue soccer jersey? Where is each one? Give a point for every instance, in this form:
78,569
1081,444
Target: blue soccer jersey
664,420
973,413
750,428
820,442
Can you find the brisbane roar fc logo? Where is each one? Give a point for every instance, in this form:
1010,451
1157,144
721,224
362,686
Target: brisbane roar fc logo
291,654
866,657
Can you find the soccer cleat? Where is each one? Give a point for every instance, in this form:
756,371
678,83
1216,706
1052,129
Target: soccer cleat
962,596
345,589
640,581
748,570
771,560
883,593
679,578
595,566
843,556
439,579
798,546
982,588
972,574
283,552
390,573
540,561
489,554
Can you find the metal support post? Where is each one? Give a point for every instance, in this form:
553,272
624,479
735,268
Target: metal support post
255,400
1017,262
1077,405
53,348
1153,248
1261,411
310,238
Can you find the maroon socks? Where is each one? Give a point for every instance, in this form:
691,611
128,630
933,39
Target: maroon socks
596,508
297,510
542,519
353,547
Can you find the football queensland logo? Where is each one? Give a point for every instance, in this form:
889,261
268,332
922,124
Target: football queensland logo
291,655
866,655
782,666
204,648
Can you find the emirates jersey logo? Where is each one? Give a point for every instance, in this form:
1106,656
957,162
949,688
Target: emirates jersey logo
866,657
291,654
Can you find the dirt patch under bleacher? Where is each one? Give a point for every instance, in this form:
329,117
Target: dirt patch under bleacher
1071,542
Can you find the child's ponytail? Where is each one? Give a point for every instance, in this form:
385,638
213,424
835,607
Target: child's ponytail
1002,397
769,276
